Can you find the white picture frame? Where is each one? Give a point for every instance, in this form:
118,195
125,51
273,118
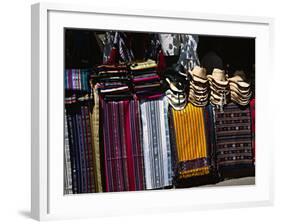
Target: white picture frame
47,198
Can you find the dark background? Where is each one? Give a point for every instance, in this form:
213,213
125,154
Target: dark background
82,50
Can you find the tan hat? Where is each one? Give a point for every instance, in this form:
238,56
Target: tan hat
239,101
198,74
234,86
198,97
240,85
218,77
241,94
215,101
238,75
219,102
239,79
241,97
219,95
198,103
198,89
217,88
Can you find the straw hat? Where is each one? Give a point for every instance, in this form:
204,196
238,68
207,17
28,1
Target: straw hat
239,79
200,88
198,98
197,89
198,74
218,77
177,101
239,101
242,98
215,101
241,94
219,89
175,86
241,86
193,92
219,95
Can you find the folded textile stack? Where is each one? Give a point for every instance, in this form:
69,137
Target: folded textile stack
77,79
113,82
240,90
145,79
198,87
177,88
219,87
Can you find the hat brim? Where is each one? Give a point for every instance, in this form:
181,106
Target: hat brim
196,78
240,84
218,82
240,97
218,86
200,99
198,88
218,91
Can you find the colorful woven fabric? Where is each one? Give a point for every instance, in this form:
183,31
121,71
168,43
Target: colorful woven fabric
94,121
156,143
123,157
191,142
122,43
77,79
145,80
67,161
234,141
80,145
253,122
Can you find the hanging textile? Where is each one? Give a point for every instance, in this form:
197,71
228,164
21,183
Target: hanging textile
191,142
156,143
234,141
123,156
188,58
67,161
170,43
117,48
79,131
94,121
253,122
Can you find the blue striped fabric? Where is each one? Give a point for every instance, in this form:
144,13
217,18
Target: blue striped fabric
156,143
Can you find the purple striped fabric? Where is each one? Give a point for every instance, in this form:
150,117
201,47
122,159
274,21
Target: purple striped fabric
123,156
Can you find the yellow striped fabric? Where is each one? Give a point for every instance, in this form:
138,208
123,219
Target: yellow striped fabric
94,119
190,138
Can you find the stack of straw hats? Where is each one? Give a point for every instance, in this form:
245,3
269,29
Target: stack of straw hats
176,93
198,87
240,90
219,86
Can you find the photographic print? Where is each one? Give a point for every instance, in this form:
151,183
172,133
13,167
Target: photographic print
153,111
